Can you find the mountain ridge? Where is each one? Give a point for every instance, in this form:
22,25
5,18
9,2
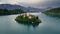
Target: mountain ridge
10,6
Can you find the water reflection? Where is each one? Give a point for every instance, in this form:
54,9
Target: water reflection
29,24
49,25
54,15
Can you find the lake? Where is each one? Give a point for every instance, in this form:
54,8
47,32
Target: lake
49,25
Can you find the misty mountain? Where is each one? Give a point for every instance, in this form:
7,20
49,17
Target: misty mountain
10,6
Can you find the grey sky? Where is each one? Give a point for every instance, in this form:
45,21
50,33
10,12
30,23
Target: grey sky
33,3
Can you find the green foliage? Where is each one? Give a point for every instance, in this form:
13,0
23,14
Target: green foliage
27,20
53,12
8,12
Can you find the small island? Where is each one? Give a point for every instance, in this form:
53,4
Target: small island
27,18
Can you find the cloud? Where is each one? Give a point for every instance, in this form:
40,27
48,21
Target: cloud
33,3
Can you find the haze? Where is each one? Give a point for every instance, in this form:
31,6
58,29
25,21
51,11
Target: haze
33,3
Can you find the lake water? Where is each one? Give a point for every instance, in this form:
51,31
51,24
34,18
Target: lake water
49,25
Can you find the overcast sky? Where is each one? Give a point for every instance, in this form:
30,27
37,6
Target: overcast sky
33,3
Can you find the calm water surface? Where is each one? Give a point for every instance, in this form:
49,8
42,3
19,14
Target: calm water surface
49,25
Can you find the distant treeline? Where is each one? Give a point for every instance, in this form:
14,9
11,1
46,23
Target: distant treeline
9,12
53,12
